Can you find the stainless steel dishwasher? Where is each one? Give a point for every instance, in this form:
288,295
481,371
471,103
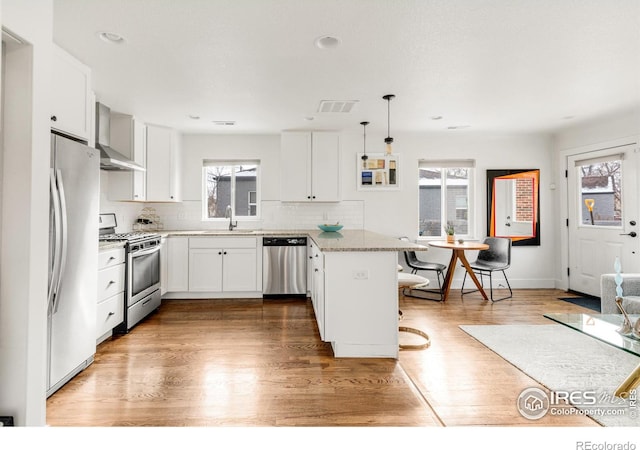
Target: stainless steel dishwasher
284,267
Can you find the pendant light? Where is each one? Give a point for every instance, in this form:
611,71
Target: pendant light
364,156
388,140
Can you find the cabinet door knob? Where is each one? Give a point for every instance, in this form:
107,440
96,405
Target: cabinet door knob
219,253
308,196
111,313
54,119
224,253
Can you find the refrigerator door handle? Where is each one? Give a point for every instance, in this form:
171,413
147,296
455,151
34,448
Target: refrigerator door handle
64,240
55,270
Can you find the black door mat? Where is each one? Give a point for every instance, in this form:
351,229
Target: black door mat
592,303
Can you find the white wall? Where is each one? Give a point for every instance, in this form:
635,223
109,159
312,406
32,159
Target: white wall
126,212
393,213
608,128
396,212
25,213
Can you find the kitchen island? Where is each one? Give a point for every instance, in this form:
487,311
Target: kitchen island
356,305
353,284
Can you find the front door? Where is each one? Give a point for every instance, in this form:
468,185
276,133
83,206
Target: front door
603,215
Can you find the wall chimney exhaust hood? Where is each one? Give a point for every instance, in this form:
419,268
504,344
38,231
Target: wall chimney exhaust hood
110,159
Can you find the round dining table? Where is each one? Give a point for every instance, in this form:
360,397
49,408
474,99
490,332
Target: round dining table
457,253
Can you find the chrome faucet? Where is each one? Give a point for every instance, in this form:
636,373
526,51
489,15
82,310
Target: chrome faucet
229,215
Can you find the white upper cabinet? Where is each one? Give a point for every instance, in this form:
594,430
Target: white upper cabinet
163,179
128,136
310,164
71,98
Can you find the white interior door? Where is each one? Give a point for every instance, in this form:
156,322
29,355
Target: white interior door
603,215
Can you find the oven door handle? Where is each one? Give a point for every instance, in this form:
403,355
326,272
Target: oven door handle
145,252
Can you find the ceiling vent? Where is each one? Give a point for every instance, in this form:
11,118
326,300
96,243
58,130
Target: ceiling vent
337,106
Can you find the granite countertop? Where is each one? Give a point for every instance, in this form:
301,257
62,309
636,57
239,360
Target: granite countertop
108,245
340,241
360,241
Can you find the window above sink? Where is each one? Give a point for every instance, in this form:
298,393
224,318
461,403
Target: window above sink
230,184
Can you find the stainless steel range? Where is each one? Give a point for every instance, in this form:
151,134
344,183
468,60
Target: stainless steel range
142,292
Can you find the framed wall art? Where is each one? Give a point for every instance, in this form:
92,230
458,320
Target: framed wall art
378,171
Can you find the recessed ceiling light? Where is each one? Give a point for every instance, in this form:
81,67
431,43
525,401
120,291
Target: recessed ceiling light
436,117
458,127
224,122
194,117
326,42
568,117
309,118
111,37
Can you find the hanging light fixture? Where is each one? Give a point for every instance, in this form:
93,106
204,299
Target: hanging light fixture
364,156
388,140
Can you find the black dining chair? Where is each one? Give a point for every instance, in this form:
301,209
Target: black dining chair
416,264
496,258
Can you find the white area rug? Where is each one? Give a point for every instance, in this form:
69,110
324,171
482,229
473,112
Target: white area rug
562,359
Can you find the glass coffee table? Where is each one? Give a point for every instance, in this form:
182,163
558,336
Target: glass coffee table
600,326
604,328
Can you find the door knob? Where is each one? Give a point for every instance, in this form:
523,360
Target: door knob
632,234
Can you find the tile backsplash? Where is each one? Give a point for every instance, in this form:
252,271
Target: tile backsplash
276,215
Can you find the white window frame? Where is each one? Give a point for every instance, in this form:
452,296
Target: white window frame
220,162
471,203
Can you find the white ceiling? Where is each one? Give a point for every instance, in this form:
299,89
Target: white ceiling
494,65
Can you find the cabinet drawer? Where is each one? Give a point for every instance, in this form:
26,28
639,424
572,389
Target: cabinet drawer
222,242
110,313
110,281
109,258
143,308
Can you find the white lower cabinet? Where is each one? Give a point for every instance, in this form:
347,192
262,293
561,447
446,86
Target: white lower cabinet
164,269
316,267
206,266
177,264
205,270
111,279
221,264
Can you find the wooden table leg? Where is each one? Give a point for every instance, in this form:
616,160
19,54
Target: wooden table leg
449,276
469,270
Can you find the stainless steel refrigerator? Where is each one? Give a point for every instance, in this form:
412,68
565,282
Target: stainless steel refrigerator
73,259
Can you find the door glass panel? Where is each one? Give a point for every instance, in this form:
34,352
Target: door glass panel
601,193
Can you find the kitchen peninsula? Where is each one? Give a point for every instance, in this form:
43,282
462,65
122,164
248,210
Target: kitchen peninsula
352,281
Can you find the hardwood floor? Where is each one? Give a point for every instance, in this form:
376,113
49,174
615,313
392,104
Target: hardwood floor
255,363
